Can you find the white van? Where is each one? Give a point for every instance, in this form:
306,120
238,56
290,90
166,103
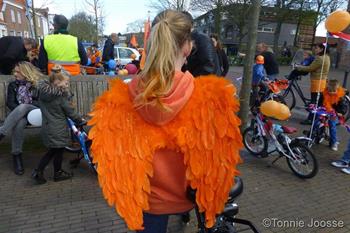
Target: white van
123,54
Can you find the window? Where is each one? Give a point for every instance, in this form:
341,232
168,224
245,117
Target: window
125,53
19,33
3,32
25,34
1,16
19,17
12,33
266,29
293,32
13,17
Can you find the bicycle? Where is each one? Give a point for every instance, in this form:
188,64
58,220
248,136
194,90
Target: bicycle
80,145
299,158
268,90
226,221
290,98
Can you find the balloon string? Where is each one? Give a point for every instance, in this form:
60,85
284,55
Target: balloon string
319,88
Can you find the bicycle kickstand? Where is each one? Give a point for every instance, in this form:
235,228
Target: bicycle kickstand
275,160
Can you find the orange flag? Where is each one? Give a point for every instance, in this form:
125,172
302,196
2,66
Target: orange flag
133,41
145,39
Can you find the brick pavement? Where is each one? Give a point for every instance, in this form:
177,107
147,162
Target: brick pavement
78,205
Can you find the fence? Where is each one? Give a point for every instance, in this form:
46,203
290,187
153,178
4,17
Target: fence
85,89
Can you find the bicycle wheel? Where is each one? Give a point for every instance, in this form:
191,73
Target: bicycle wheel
305,166
289,98
254,143
347,111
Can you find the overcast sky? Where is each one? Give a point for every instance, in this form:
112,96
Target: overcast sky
118,13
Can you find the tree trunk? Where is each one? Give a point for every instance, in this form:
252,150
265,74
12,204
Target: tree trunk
277,37
247,72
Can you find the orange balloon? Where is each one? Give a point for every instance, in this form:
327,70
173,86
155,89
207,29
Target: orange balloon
283,113
120,72
268,108
337,21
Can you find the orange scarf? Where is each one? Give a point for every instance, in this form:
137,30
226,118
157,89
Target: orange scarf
329,99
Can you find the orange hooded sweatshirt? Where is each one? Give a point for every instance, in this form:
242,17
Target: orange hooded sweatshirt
168,184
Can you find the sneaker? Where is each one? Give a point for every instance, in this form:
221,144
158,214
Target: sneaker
62,175
340,164
334,147
346,170
306,122
38,176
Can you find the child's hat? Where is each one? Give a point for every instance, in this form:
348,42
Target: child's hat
259,59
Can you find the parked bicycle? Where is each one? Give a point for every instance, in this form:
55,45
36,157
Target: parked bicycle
262,132
80,144
226,222
268,90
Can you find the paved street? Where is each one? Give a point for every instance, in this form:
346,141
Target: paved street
270,192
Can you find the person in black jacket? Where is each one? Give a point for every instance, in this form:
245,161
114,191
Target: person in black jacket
108,49
223,61
270,65
203,59
21,99
13,49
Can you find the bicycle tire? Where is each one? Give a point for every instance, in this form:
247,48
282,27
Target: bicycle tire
289,98
252,131
347,113
300,150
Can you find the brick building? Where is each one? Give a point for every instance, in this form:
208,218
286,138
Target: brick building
14,20
290,32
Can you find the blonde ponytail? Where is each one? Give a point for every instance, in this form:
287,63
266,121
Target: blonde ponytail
168,35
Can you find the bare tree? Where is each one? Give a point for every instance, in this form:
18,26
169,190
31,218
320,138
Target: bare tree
32,11
95,7
136,26
247,72
180,5
216,7
323,8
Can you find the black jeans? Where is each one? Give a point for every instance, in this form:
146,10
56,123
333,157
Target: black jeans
57,154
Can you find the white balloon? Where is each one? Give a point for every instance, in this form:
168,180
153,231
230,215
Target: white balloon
34,117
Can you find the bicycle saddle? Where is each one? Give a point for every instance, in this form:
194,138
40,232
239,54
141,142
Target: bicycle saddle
289,130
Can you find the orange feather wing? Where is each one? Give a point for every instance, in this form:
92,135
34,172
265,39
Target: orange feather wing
207,132
122,152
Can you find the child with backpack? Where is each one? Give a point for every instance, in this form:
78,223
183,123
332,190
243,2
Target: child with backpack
55,107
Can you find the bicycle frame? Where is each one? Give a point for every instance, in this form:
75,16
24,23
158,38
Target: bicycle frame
266,130
82,138
294,83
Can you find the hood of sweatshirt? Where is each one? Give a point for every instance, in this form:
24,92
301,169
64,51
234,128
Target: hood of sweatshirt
175,99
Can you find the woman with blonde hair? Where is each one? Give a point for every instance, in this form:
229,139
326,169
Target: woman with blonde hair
21,99
164,132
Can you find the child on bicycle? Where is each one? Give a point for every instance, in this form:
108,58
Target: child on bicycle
334,104
55,107
258,76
